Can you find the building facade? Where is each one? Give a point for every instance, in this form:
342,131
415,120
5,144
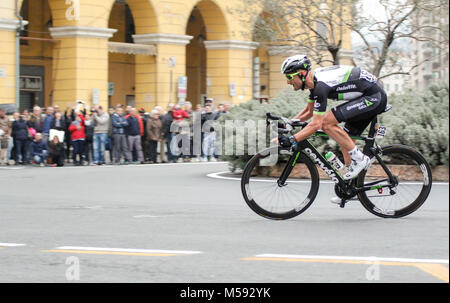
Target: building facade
433,61
135,52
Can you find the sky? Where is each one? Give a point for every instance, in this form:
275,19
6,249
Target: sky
370,8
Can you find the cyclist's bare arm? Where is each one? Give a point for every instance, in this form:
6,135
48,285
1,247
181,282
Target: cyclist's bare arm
311,128
306,113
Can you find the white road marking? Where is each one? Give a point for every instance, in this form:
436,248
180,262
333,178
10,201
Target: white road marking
218,176
147,216
142,165
130,250
11,244
354,258
13,168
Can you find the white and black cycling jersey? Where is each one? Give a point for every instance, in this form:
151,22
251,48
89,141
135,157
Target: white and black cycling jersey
339,82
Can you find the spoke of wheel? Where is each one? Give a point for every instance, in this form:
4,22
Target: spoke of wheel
269,196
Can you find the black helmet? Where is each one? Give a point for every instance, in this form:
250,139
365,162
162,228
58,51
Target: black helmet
294,63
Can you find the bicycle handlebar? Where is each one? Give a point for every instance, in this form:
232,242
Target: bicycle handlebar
290,124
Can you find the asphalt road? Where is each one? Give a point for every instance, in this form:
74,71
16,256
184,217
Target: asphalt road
173,223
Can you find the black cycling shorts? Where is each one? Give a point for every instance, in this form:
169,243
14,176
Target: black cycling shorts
358,113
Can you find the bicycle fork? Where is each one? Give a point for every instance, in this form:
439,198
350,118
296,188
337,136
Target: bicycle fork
288,168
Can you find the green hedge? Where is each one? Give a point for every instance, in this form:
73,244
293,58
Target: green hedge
420,120
417,119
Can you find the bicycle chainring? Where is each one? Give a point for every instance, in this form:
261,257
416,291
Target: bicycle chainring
341,194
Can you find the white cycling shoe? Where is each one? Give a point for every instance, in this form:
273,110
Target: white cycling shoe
336,200
356,167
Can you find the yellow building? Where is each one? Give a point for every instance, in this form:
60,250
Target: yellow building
135,52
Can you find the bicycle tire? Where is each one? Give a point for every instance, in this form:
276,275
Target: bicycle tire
248,190
382,205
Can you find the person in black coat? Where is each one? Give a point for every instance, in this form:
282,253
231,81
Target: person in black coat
166,121
21,139
59,122
56,149
89,129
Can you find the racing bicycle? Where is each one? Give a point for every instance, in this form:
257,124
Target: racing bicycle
397,182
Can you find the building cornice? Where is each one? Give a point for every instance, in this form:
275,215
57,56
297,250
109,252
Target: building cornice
10,25
162,39
230,44
131,48
81,31
286,50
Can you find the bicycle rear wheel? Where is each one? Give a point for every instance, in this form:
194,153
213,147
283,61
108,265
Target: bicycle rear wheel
263,194
413,173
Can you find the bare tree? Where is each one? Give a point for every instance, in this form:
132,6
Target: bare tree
398,20
312,26
318,28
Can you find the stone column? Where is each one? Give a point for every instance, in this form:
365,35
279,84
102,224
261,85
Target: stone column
156,79
229,64
8,62
80,65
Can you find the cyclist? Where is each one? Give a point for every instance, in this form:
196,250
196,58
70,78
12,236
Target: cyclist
364,96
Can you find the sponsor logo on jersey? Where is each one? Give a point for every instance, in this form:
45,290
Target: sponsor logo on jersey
368,103
367,76
360,105
350,107
346,87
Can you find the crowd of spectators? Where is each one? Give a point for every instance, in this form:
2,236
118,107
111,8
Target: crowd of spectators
119,135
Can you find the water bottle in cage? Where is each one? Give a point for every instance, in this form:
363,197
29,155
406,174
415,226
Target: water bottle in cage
331,157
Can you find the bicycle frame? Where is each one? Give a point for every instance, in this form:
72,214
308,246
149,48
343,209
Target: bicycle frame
347,187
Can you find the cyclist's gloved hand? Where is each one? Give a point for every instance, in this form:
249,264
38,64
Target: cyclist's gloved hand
284,141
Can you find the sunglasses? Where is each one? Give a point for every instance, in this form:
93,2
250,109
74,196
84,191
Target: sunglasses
291,76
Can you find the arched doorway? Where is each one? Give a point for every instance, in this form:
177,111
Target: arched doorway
132,54
196,58
36,55
121,64
207,70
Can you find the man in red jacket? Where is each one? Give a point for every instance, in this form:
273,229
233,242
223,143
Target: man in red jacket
77,130
179,114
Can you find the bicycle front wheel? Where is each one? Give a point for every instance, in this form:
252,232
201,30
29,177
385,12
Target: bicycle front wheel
262,193
413,177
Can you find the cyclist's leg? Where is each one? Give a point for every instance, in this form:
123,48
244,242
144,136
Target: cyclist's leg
358,114
330,127
346,154
354,128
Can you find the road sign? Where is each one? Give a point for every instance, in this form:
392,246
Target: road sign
95,96
232,89
172,62
110,88
182,87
